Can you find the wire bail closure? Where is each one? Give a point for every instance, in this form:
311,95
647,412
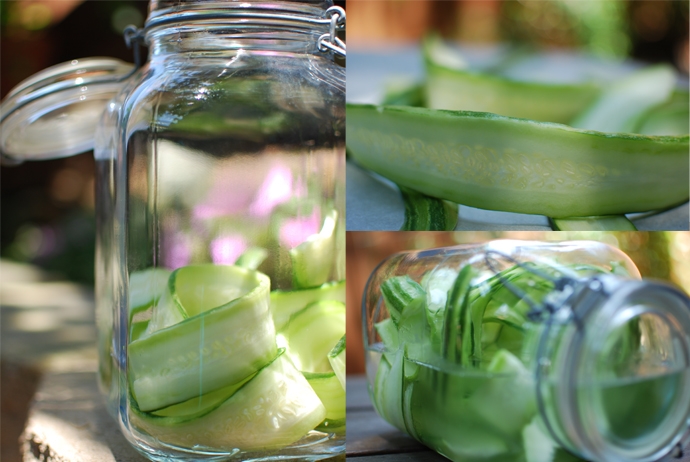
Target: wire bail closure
335,15
331,41
134,37
537,312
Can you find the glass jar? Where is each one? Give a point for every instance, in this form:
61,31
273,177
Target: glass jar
528,351
220,226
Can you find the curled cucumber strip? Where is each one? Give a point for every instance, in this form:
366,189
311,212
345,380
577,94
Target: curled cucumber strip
612,223
424,213
501,163
450,85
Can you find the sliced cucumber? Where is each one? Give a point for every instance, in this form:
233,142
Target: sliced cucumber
425,213
332,395
252,257
312,333
145,288
457,344
620,107
137,329
337,359
514,165
398,292
437,284
388,332
450,86
610,223
274,409
312,260
227,335
201,405
286,303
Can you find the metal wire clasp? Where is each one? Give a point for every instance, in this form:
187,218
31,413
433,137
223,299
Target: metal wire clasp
330,41
134,37
538,311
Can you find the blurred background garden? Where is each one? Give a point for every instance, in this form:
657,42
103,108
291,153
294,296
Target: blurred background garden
649,30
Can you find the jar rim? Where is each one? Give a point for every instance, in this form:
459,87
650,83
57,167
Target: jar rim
578,409
251,13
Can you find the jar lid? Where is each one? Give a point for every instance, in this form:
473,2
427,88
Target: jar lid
54,113
619,370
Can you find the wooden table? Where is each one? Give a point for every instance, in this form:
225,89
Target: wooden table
372,439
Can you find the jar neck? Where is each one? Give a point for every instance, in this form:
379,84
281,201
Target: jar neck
618,340
214,28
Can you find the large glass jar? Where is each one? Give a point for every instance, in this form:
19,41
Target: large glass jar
220,221
529,351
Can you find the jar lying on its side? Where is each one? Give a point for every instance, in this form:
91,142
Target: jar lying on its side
529,351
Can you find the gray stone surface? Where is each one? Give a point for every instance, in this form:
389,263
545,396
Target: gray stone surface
48,324
68,422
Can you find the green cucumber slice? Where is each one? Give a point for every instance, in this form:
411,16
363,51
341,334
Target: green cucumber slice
621,106
227,335
137,329
437,284
313,259
337,359
286,303
424,213
311,334
501,163
388,332
145,288
610,223
450,87
201,405
408,95
389,390
332,395
669,118
274,409
457,345
252,258
398,292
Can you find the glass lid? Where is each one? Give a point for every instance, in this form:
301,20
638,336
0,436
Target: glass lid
54,113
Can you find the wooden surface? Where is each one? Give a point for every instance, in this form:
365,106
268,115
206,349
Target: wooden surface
372,439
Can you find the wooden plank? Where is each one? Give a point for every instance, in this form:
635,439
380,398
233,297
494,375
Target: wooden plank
369,434
426,456
357,394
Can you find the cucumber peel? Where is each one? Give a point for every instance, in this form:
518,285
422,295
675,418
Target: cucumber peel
337,359
424,213
332,395
545,168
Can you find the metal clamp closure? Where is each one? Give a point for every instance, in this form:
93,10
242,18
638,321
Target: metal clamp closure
334,17
331,41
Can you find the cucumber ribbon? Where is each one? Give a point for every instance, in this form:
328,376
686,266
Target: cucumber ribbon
494,143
